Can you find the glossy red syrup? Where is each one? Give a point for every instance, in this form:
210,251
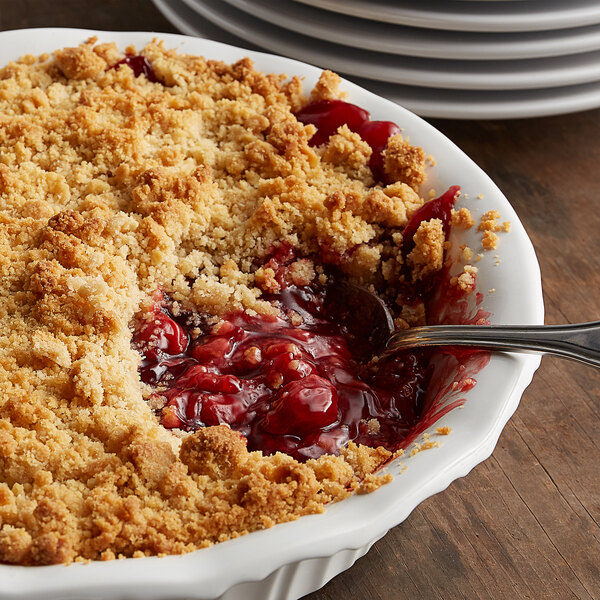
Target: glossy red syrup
328,115
294,389
139,65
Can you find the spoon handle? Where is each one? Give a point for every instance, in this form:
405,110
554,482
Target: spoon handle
579,342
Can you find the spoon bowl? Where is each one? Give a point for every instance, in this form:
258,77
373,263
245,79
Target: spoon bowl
366,320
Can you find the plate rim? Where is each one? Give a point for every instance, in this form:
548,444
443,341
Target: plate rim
549,43
380,11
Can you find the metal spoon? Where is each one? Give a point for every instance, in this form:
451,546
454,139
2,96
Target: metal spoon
365,317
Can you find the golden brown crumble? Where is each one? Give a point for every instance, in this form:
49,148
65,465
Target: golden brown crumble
428,253
113,187
462,218
489,240
466,280
404,162
426,444
466,253
489,225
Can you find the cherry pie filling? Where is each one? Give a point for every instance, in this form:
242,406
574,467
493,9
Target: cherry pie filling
139,65
328,115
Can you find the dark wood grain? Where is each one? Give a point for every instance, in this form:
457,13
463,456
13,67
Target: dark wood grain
525,523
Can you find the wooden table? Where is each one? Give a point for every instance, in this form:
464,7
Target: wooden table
525,523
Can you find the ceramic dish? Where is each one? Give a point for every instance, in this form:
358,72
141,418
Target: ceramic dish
427,102
293,559
471,16
414,41
405,70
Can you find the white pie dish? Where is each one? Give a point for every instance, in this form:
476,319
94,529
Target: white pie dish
296,558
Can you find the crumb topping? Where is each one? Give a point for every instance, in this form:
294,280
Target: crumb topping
489,225
428,253
462,218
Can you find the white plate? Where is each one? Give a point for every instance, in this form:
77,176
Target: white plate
428,102
534,15
414,41
292,559
405,70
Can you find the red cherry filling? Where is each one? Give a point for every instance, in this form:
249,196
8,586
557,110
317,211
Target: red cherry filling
139,65
303,406
377,134
328,115
161,332
286,388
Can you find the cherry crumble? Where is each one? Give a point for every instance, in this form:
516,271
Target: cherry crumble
206,210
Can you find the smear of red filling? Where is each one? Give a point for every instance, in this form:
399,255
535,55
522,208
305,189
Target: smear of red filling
139,65
328,115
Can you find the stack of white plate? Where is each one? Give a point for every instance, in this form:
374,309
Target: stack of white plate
439,58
